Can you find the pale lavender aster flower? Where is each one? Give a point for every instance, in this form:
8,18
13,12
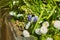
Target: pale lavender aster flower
29,17
35,18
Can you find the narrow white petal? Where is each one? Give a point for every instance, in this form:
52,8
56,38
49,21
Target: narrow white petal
27,25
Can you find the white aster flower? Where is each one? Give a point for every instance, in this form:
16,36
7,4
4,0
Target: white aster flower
12,13
37,31
57,24
45,24
43,30
19,15
49,38
27,25
26,33
14,2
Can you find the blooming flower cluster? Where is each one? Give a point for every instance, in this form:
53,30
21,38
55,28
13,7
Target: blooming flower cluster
45,25
38,17
32,19
43,29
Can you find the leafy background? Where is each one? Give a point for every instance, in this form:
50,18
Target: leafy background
44,9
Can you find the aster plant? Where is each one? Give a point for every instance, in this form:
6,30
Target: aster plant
41,17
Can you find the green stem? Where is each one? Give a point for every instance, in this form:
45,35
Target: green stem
37,21
54,2
52,12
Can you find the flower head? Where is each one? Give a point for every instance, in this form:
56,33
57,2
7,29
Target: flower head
37,31
46,24
12,13
43,30
49,38
57,24
15,2
29,17
26,33
34,19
